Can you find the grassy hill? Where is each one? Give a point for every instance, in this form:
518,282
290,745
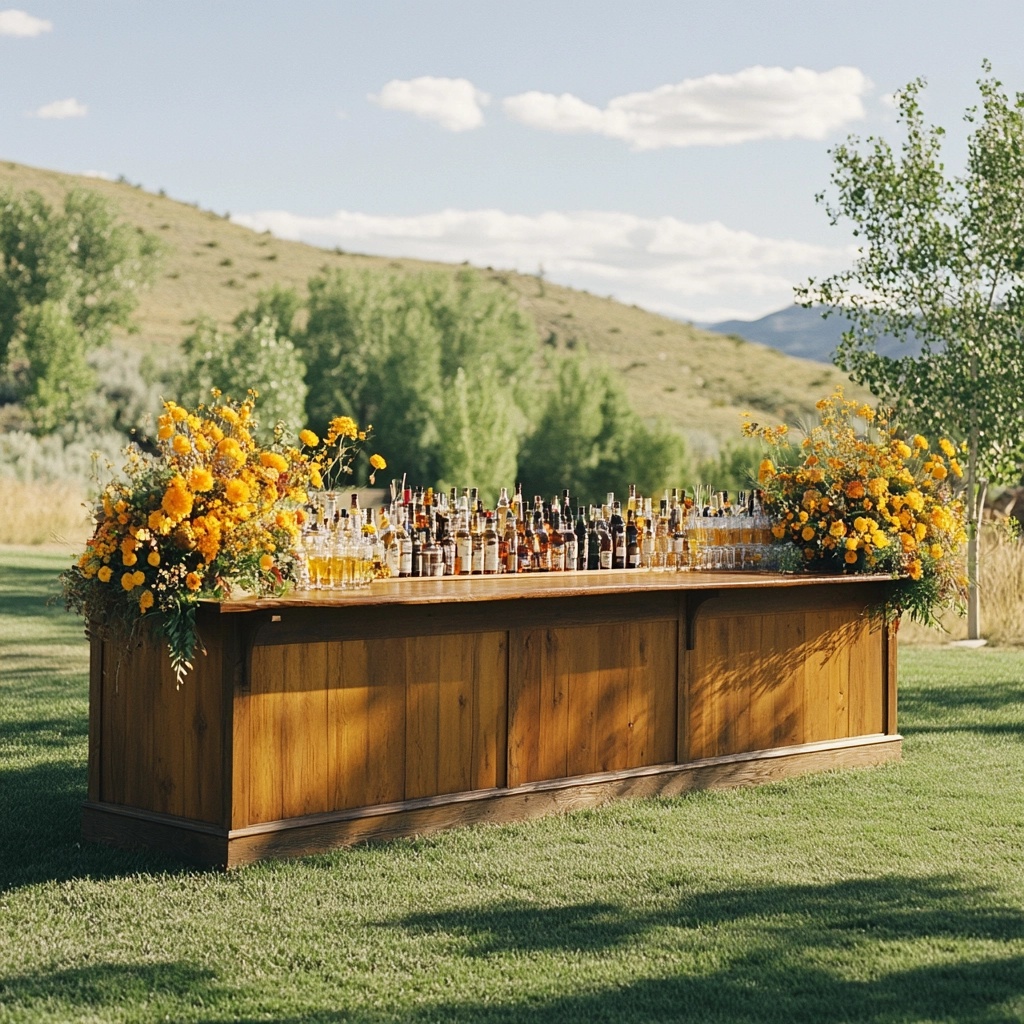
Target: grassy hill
697,381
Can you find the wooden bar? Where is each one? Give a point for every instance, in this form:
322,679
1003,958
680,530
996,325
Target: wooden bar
322,719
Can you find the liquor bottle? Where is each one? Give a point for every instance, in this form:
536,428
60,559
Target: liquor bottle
631,501
581,539
661,537
593,541
501,511
508,547
566,507
417,550
680,547
569,537
617,529
647,527
605,544
404,547
463,547
541,549
556,542
490,546
433,564
446,542
632,541
527,554
477,537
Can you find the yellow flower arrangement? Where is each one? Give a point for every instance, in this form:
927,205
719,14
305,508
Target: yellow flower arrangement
210,510
868,501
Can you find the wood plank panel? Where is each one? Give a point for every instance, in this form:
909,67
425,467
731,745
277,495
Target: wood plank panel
490,719
348,735
387,672
525,669
457,657
422,714
805,669
265,786
302,712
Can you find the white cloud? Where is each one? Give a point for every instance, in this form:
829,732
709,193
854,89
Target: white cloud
454,103
716,110
60,109
22,25
702,272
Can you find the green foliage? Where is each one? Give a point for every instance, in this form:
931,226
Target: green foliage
443,368
80,258
939,256
733,468
588,439
57,377
255,356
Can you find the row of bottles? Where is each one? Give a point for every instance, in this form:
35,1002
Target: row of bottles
426,534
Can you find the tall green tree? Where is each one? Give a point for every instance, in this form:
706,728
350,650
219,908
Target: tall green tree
940,256
588,439
441,365
68,277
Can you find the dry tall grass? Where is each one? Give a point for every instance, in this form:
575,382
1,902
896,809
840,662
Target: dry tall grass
43,513
1002,595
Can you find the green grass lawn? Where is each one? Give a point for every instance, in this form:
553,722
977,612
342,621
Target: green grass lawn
889,894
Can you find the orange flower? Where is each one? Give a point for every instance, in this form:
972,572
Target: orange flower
267,562
854,490
193,582
308,438
237,491
145,601
377,461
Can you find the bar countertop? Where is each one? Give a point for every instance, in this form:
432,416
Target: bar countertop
462,589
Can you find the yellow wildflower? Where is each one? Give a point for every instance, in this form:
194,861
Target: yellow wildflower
308,438
377,462
104,574
145,601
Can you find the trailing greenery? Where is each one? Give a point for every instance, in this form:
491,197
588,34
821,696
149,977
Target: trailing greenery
890,894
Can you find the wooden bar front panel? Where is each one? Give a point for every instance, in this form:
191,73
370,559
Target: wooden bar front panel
760,676
355,723
587,699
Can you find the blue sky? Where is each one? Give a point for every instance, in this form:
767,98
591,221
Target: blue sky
666,153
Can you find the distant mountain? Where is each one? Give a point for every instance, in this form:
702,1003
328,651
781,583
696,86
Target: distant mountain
800,332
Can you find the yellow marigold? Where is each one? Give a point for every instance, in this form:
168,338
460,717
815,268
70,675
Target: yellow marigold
861,524
267,562
947,447
850,557
908,542
877,486
939,471
153,558
139,576
920,442
308,438
838,529
129,559
815,475
377,462
315,478
807,533
128,581
193,582
226,413
177,501
955,468
237,491
164,429
145,601
104,574
854,489
177,413
181,444
935,551
914,499
914,569
879,539
229,448
920,531
273,460
852,543
156,519
902,449
764,472
342,426
200,479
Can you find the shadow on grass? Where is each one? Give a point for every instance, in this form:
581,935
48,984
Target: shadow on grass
924,703
747,954
41,811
